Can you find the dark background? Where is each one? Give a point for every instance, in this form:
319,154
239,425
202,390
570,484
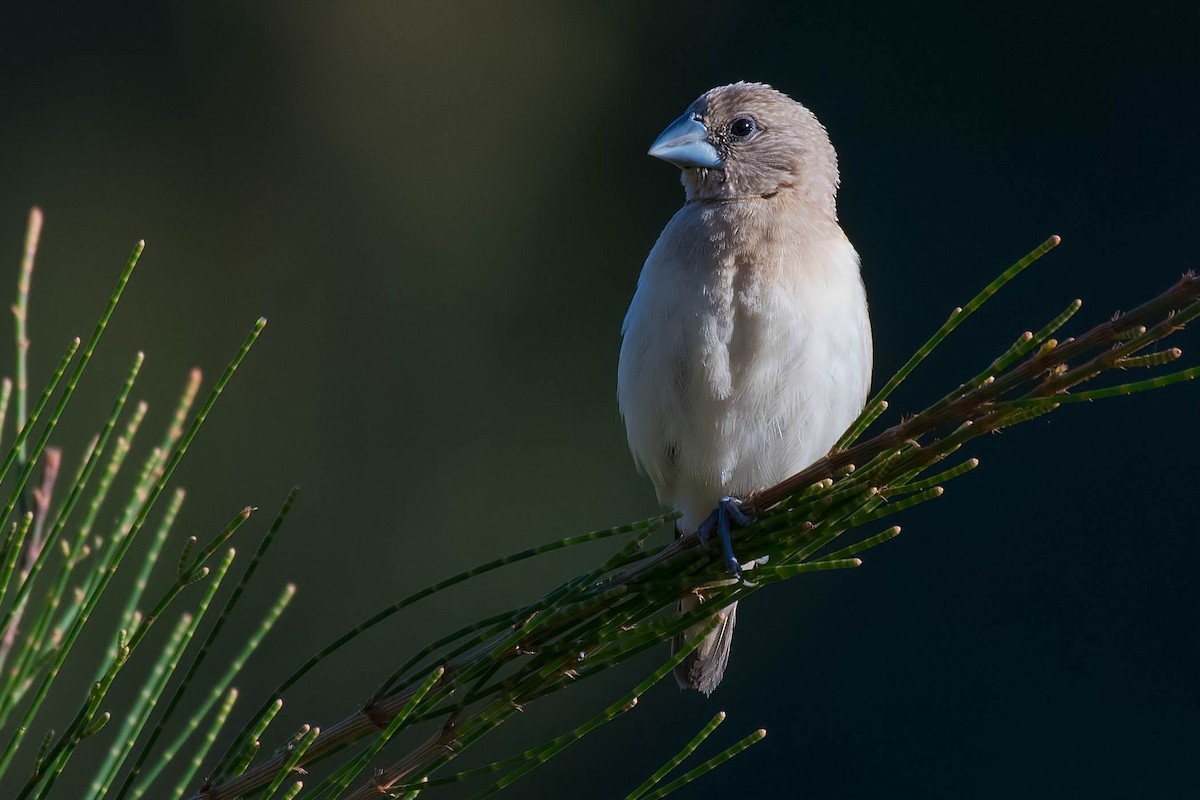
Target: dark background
443,208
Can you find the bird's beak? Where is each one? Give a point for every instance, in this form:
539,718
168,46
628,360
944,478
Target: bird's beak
685,144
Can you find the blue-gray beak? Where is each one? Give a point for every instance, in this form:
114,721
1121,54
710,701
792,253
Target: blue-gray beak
685,144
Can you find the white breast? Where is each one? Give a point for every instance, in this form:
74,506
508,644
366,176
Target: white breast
746,352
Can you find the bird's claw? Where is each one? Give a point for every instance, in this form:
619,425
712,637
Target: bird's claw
727,514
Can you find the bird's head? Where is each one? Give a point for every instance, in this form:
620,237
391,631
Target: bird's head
749,140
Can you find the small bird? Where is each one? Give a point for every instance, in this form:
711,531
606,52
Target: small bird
746,351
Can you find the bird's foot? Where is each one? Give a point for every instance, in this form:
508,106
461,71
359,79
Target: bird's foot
727,514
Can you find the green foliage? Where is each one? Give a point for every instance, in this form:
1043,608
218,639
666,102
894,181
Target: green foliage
62,560
461,687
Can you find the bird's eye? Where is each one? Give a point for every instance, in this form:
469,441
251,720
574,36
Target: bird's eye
742,127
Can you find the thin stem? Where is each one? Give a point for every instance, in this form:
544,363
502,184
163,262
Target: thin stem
202,653
957,317
33,233
678,758
707,766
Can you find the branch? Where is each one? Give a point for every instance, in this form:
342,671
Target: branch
627,605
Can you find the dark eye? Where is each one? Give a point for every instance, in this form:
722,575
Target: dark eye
742,127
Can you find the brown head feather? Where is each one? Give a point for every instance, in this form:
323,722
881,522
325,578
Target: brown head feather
788,150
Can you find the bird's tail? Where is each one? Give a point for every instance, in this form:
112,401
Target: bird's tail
704,667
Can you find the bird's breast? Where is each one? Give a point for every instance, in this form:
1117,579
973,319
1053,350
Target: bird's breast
746,353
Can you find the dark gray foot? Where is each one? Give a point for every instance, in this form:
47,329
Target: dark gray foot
727,514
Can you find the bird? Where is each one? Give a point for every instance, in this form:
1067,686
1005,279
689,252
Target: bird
746,351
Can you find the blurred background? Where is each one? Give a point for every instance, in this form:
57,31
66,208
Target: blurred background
443,209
